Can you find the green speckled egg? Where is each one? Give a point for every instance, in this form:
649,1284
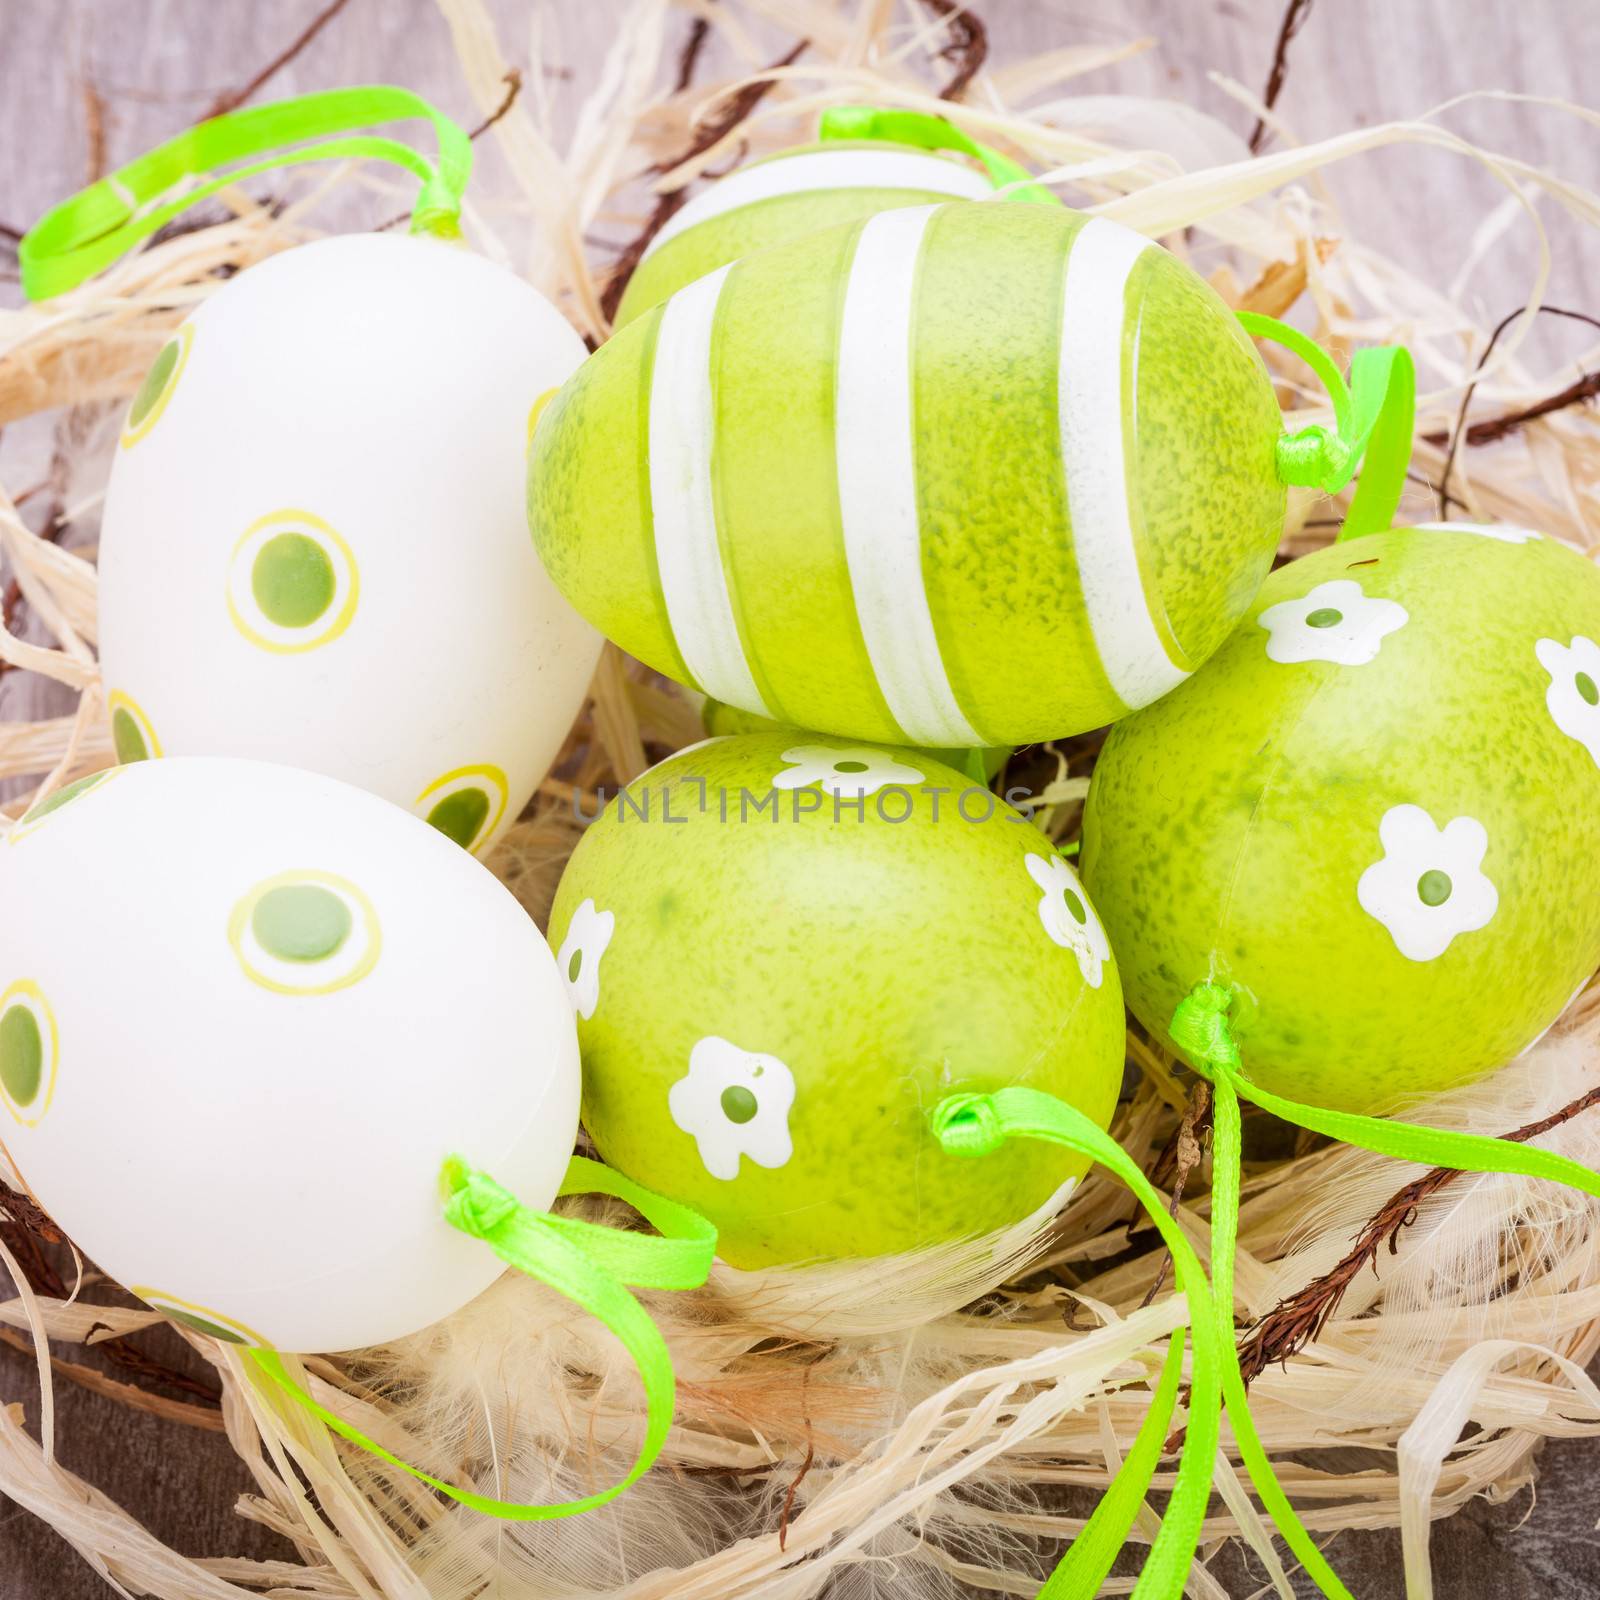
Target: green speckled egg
957,475
783,954
1375,815
788,196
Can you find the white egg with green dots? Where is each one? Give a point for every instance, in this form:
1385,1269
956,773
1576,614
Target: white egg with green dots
246,1013
314,550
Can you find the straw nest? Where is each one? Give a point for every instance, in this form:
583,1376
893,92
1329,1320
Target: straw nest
936,1423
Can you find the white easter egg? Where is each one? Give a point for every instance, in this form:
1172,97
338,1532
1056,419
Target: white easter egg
246,1013
315,549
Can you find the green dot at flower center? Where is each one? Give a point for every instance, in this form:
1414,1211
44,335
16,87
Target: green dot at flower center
21,1055
1075,906
738,1104
155,380
1324,617
1433,887
127,737
459,816
1586,688
300,922
292,580
575,965
849,766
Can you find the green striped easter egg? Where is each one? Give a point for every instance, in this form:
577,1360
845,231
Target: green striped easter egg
787,196
1374,816
955,475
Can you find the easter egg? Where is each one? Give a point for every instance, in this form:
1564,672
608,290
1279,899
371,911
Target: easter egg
787,196
782,954
1375,816
956,475
313,547
246,1013
720,719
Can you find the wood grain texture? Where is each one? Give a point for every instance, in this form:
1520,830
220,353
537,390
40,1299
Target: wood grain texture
142,69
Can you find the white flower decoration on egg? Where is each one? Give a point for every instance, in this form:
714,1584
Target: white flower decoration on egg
1429,886
1338,621
1574,693
1505,532
1067,916
588,935
854,771
734,1103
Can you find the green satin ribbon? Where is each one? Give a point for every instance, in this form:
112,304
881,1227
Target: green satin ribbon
85,234
1204,1035
1083,1568
588,1264
1374,415
923,131
978,1125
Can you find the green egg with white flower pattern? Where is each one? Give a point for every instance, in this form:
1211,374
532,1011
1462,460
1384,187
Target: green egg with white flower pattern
1375,816
787,196
784,950
960,475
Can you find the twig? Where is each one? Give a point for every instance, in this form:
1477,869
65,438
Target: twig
1182,1154
208,1417
968,46
1293,20
805,1467
734,110
1446,499
237,97
1294,1322
689,56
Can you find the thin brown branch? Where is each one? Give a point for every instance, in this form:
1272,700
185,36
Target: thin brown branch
94,130
513,82
730,113
805,1466
1297,1320
967,47
1181,1156
1460,430
208,1417
1493,429
234,98
1293,20
689,56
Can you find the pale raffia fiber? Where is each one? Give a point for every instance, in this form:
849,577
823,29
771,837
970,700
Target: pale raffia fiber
947,1399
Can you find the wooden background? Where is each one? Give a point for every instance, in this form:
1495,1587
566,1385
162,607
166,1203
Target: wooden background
107,78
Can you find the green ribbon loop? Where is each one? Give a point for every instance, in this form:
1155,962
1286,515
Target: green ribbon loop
923,131
587,1264
978,1125
1202,1018
86,233
1374,415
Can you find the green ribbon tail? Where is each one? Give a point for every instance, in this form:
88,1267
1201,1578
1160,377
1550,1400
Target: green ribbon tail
1374,418
1227,1148
95,227
923,131
978,1125
587,1264
1083,1569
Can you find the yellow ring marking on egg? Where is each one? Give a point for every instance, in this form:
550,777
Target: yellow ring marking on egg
239,921
185,337
26,992
160,1300
290,520
120,700
497,780
22,828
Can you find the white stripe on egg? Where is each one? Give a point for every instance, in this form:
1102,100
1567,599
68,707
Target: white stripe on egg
693,582
878,481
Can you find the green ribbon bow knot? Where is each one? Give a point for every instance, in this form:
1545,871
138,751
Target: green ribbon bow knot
923,131
88,232
1374,415
587,1263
